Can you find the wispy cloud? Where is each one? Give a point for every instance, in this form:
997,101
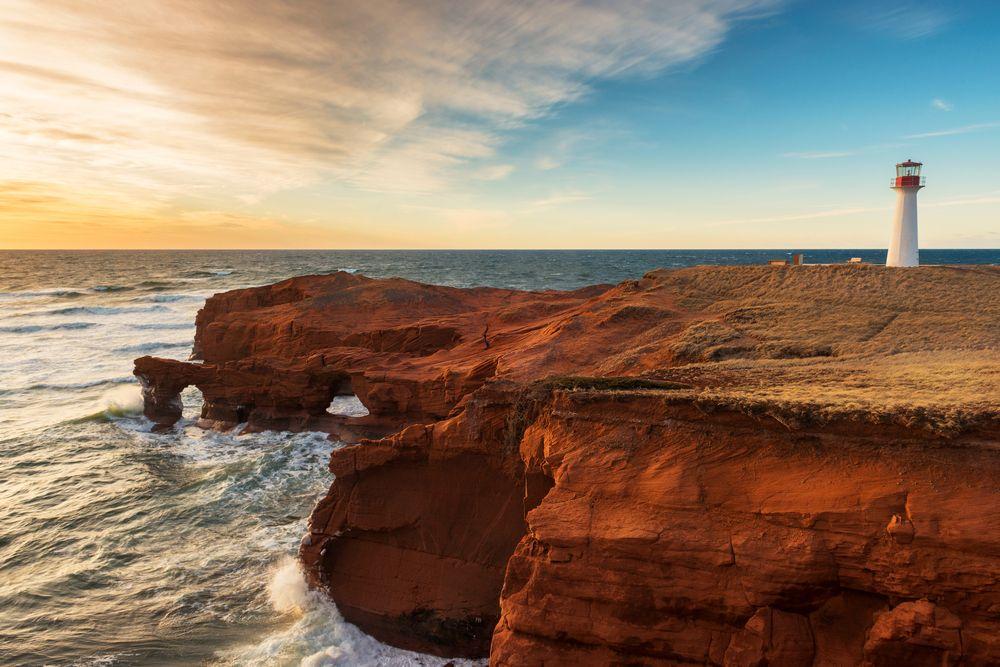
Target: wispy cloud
812,215
547,162
970,200
559,199
833,154
965,129
562,144
255,96
819,155
905,20
941,105
840,212
494,172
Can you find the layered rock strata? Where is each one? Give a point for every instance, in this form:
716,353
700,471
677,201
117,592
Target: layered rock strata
729,465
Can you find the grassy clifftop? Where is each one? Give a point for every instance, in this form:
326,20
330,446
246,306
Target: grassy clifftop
838,339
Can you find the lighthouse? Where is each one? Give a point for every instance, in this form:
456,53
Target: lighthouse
903,242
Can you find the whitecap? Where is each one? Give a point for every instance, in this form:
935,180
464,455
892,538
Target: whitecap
209,273
122,401
162,325
36,328
320,637
347,406
171,298
287,589
143,348
111,288
71,386
106,310
58,293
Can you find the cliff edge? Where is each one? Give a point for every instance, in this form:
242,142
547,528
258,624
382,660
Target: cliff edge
714,465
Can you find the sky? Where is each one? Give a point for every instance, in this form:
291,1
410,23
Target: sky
488,124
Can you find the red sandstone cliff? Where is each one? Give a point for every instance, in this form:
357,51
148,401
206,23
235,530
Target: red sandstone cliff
732,465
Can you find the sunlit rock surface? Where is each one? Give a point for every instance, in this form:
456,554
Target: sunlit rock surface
719,465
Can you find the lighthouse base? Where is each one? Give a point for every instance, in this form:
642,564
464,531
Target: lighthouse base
903,242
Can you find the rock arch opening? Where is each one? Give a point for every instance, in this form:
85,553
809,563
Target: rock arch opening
192,404
344,402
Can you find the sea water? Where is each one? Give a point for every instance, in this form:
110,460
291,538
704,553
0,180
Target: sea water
119,546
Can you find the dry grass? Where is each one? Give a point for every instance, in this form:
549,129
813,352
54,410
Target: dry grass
904,345
942,390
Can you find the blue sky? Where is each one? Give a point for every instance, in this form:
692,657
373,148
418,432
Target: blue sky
800,113
725,123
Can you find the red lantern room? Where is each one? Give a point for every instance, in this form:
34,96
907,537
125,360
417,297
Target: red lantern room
908,175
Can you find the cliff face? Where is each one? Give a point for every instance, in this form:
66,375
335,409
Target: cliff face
732,466
654,529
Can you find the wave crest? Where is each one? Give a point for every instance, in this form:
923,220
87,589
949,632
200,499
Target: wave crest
287,589
36,328
112,288
105,310
143,348
123,401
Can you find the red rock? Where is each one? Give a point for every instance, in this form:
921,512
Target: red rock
772,637
915,633
747,466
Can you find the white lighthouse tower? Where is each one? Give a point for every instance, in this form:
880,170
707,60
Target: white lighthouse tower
903,242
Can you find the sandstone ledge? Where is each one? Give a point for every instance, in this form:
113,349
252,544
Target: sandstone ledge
728,465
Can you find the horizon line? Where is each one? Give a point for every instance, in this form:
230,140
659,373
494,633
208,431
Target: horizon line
266,249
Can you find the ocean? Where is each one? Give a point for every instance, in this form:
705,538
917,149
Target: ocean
119,546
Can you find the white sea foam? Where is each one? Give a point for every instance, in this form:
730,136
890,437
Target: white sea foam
319,635
66,293
311,631
143,348
74,386
38,328
112,288
123,401
147,326
106,310
287,589
347,406
171,298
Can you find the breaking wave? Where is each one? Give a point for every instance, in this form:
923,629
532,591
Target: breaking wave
112,288
73,386
56,293
105,310
36,328
123,401
171,298
320,637
160,285
152,347
146,326
209,273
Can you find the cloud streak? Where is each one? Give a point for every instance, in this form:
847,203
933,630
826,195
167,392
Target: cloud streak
971,200
906,20
832,154
965,129
243,97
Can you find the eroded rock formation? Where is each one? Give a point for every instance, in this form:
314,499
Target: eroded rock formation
729,466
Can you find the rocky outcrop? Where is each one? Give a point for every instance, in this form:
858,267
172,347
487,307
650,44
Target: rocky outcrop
659,530
729,466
